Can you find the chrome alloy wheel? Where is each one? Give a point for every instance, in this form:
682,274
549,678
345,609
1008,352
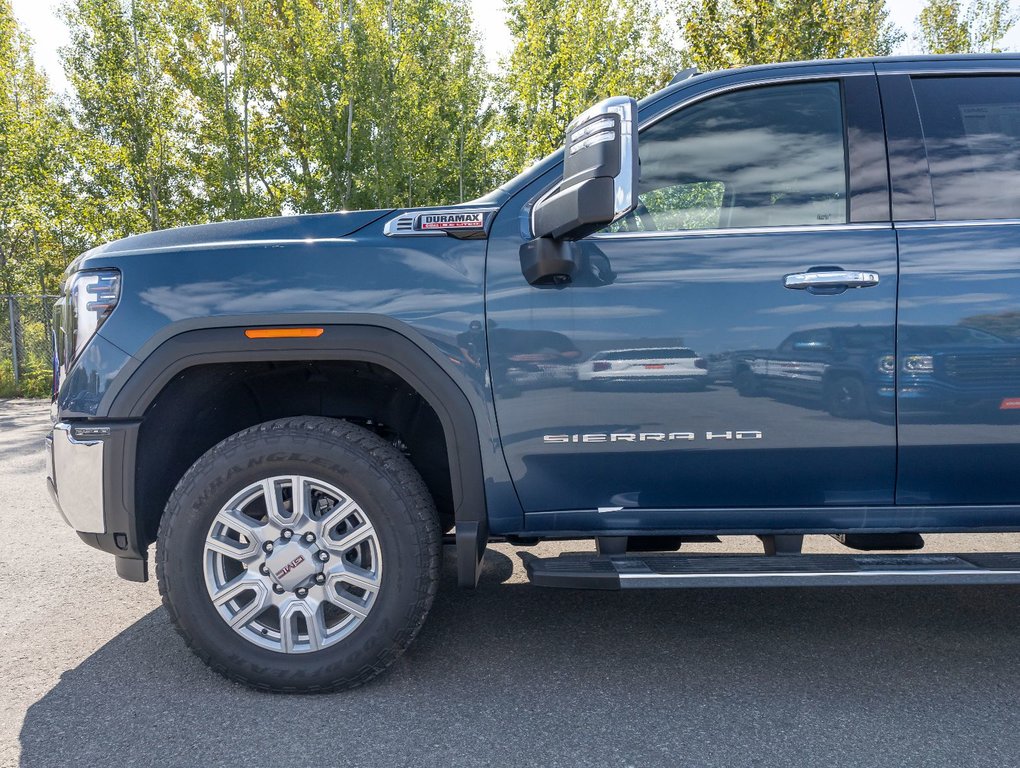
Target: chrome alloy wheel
292,564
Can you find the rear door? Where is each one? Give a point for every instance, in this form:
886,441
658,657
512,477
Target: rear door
741,187
958,227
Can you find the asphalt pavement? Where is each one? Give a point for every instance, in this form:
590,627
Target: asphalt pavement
92,674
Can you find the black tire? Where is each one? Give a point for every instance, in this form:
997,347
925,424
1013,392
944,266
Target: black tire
391,493
845,398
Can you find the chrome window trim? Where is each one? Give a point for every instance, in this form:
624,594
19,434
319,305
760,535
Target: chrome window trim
915,72
798,229
956,223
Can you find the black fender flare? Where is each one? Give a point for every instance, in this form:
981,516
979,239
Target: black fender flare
357,343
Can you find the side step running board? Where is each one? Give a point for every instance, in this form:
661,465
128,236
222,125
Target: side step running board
680,571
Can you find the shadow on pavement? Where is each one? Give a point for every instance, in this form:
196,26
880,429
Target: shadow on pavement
512,675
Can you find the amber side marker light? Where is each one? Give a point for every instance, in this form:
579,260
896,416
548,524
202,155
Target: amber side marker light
283,333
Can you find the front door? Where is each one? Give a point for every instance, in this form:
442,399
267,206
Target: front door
640,387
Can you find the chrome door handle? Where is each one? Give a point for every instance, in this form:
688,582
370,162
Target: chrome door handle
833,279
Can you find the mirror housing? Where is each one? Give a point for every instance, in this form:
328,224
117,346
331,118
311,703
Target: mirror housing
599,186
600,173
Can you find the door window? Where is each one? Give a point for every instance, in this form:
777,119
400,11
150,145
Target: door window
763,157
972,134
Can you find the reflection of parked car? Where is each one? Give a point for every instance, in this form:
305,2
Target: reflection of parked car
632,366
852,371
945,368
532,359
844,368
723,366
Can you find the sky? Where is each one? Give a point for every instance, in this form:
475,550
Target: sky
48,32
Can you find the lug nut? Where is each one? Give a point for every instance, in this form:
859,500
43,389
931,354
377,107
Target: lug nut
323,555
287,533
320,578
310,537
267,547
302,592
264,569
278,589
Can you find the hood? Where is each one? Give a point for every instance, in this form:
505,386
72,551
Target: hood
317,226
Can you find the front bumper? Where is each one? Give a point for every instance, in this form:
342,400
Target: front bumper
91,478
75,460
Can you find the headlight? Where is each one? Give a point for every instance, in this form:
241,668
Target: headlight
918,364
887,364
91,297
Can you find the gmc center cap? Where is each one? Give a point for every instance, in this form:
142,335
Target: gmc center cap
292,564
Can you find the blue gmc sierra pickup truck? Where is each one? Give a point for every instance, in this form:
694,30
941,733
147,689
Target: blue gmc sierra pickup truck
771,301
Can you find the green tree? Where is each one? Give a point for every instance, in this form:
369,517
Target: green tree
309,106
425,105
946,26
209,61
34,145
941,27
729,33
568,55
134,125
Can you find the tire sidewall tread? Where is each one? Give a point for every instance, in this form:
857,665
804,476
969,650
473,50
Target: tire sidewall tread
361,463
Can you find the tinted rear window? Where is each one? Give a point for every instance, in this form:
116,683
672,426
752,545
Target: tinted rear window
972,134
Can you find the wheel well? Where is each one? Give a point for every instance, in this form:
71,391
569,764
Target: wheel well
204,404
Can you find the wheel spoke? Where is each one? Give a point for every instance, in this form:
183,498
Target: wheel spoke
274,504
348,604
350,539
315,625
300,499
238,586
288,632
359,577
332,518
235,520
315,620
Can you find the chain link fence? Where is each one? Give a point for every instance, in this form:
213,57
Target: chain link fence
26,345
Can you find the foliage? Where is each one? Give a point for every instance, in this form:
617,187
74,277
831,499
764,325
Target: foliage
34,140
131,160
729,33
945,26
568,55
185,111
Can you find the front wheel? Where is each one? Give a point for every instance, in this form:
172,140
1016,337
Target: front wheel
299,555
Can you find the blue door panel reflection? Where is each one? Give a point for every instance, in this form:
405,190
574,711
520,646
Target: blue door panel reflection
636,392
958,355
